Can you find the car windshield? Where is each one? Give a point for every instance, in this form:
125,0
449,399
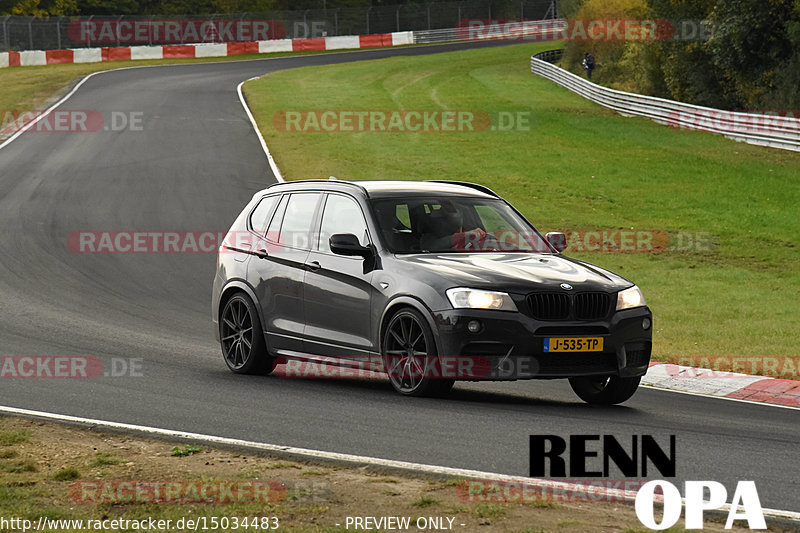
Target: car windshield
454,224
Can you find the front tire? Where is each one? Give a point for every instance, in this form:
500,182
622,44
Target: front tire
242,339
409,356
604,390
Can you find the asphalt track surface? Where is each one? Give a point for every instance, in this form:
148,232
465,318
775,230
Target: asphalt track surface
194,166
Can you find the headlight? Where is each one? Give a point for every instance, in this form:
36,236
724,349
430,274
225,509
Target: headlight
629,298
462,298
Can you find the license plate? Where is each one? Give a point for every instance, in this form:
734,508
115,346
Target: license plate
573,344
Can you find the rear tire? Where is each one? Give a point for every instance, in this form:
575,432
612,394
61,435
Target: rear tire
604,390
409,356
242,339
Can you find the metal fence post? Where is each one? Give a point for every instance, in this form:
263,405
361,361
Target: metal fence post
30,33
6,40
89,39
368,10
336,22
397,16
150,31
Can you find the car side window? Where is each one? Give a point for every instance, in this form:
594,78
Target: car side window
342,215
274,228
297,220
258,218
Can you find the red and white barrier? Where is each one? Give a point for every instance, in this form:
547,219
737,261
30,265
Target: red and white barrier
126,53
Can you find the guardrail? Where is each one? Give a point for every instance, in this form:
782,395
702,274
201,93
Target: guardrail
534,30
764,129
551,56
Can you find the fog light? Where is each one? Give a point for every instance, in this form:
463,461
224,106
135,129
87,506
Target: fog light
473,326
645,323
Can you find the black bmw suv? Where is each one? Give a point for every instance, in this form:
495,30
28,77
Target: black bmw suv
430,282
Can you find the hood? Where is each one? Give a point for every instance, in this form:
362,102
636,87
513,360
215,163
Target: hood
517,272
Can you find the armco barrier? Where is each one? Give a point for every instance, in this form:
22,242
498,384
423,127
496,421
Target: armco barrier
121,53
754,128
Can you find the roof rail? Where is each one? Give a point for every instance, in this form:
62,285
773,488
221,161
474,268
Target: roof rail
330,180
475,186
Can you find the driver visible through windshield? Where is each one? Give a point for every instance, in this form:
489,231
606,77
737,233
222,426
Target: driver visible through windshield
453,224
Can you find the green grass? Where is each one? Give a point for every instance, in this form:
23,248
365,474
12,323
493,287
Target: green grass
67,474
18,467
189,449
489,510
10,438
424,501
311,473
105,459
579,166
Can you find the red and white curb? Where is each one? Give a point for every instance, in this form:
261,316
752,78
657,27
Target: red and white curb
731,385
128,53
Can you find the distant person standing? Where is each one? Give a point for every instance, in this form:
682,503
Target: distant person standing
588,64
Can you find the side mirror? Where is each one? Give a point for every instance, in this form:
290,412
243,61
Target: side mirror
557,240
347,244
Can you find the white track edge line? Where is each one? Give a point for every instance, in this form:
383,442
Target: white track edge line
275,170
350,458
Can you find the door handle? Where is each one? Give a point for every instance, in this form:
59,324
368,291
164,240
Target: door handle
262,253
312,266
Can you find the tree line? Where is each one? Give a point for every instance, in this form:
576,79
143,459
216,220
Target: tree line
44,8
743,54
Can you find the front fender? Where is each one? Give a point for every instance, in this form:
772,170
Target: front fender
405,300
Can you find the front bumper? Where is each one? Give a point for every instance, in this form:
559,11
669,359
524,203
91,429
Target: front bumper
510,346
